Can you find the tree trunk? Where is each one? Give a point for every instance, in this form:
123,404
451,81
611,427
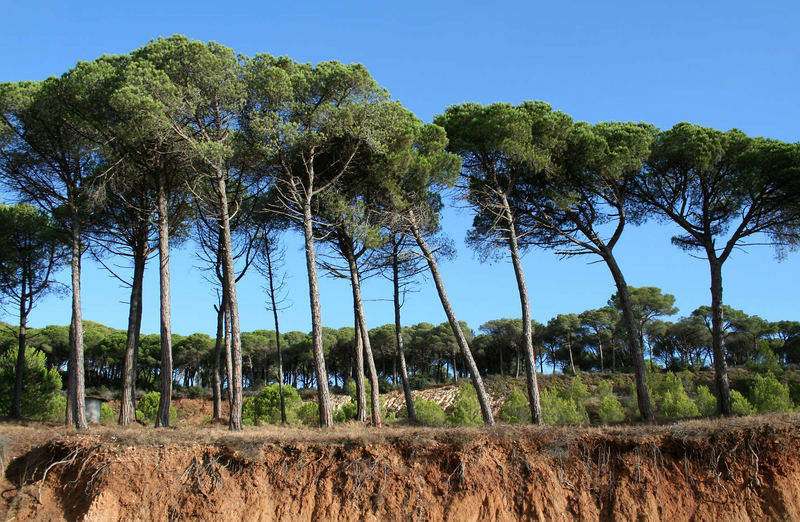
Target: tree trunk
643,397
76,394
16,404
398,334
166,327
477,381
271,277
361,393
600,349
718,340
527,330
228,354
362,324
229,283
127,412
323,393
569,349
216,378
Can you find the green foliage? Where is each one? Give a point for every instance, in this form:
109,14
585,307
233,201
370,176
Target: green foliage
740,405
578,391
466,409
56,409
147,409
705,401
40,386
764,361
609,408
671,398
428,412
769,395
516,409
559,408
347,412
794,390
107,414
308,414
266,406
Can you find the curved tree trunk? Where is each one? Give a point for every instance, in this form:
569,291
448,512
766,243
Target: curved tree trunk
76,394
323,392
477,381
162,419
718,340
361,393
362,325
398,332
527,330
271,277
642,395
127,413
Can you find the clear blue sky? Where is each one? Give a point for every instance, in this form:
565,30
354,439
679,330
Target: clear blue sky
721,64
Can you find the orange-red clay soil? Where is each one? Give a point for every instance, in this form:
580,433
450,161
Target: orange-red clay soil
741,469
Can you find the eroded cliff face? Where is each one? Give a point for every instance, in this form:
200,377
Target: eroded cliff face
718,470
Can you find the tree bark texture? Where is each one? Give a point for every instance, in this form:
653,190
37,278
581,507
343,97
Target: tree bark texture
527,330
642,395
76,392
718,340
477,381
323,392
398,333
127,413
361,390
16,403
273,299
216,377
162,419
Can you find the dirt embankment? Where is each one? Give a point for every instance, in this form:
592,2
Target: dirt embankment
702,470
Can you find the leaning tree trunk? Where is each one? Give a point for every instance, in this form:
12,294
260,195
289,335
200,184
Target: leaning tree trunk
323,393
527,330
361,393
76,393
642,395
229,283
362,325
477,381
127,408
398,333
166,328
16,403
718,340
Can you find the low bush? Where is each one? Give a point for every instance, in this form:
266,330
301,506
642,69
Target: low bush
671,398
740,405
705,401
516,409
466,410
609,408
107,414
428,412
769,395
266,406
559,408
147,409
308,414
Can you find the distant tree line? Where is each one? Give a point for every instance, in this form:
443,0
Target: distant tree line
128,155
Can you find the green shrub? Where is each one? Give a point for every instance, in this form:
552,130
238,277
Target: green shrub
516,409
147,409
740,405
429,412
347,412
559,408
466,410
705,401
764,361
794,390
769,395
671,398
40,386
578,391
107,414
308,414
609,408
56,409
417,382
266,406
